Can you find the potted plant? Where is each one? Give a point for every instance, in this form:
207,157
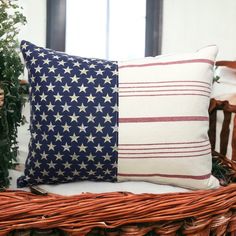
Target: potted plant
11,67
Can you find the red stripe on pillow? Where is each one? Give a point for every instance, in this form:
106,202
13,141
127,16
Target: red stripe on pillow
163,119
169,63
197,177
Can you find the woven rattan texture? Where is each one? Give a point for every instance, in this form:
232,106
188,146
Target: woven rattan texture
196,213
131,214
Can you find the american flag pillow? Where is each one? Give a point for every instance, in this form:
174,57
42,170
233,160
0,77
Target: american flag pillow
101,120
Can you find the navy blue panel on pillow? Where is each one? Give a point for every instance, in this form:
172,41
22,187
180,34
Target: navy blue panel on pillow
74,116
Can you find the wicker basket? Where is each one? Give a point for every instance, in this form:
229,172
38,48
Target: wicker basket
204,212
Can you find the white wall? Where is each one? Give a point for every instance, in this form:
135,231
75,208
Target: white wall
192,24
35,29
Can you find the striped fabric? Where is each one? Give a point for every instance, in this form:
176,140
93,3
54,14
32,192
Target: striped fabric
163,119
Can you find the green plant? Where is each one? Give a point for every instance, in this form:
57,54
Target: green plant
11,67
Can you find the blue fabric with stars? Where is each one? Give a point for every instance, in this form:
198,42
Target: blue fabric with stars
74,118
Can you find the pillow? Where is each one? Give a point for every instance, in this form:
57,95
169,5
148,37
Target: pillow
224,91
154,129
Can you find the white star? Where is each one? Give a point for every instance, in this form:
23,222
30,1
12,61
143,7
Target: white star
107,118
38,69
67,165
90,138
60,172
38,180
50,106
50,87
82,128
85,60
44,136
44,116
33,61
107,157
37,107
57,97
115,128
32,78
28,53
82,88
38,126
108,66
44,156
67,70
107,98
74,157
92,66
54,179
115,108
99,177
114,72
66,107
37,49
50,126
46,61
114,165
74,118
99,128
58,117
82,148
90,157
90,98
114,148
74,79
76,64
91,118
66,88
43,77
45,173
74,98
99,165
107,138
58,156
83,71
98,148
58,78
24,46
42,54
51,165
91,80
52,69
62,63
99,89
66,127
83,165
115,89
99,108
58,137
75,172
82,108
38,145
33,153
99,72
37,87
56,57
107,80
107,172
91,172
37,164
51,146
66,147
74,138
